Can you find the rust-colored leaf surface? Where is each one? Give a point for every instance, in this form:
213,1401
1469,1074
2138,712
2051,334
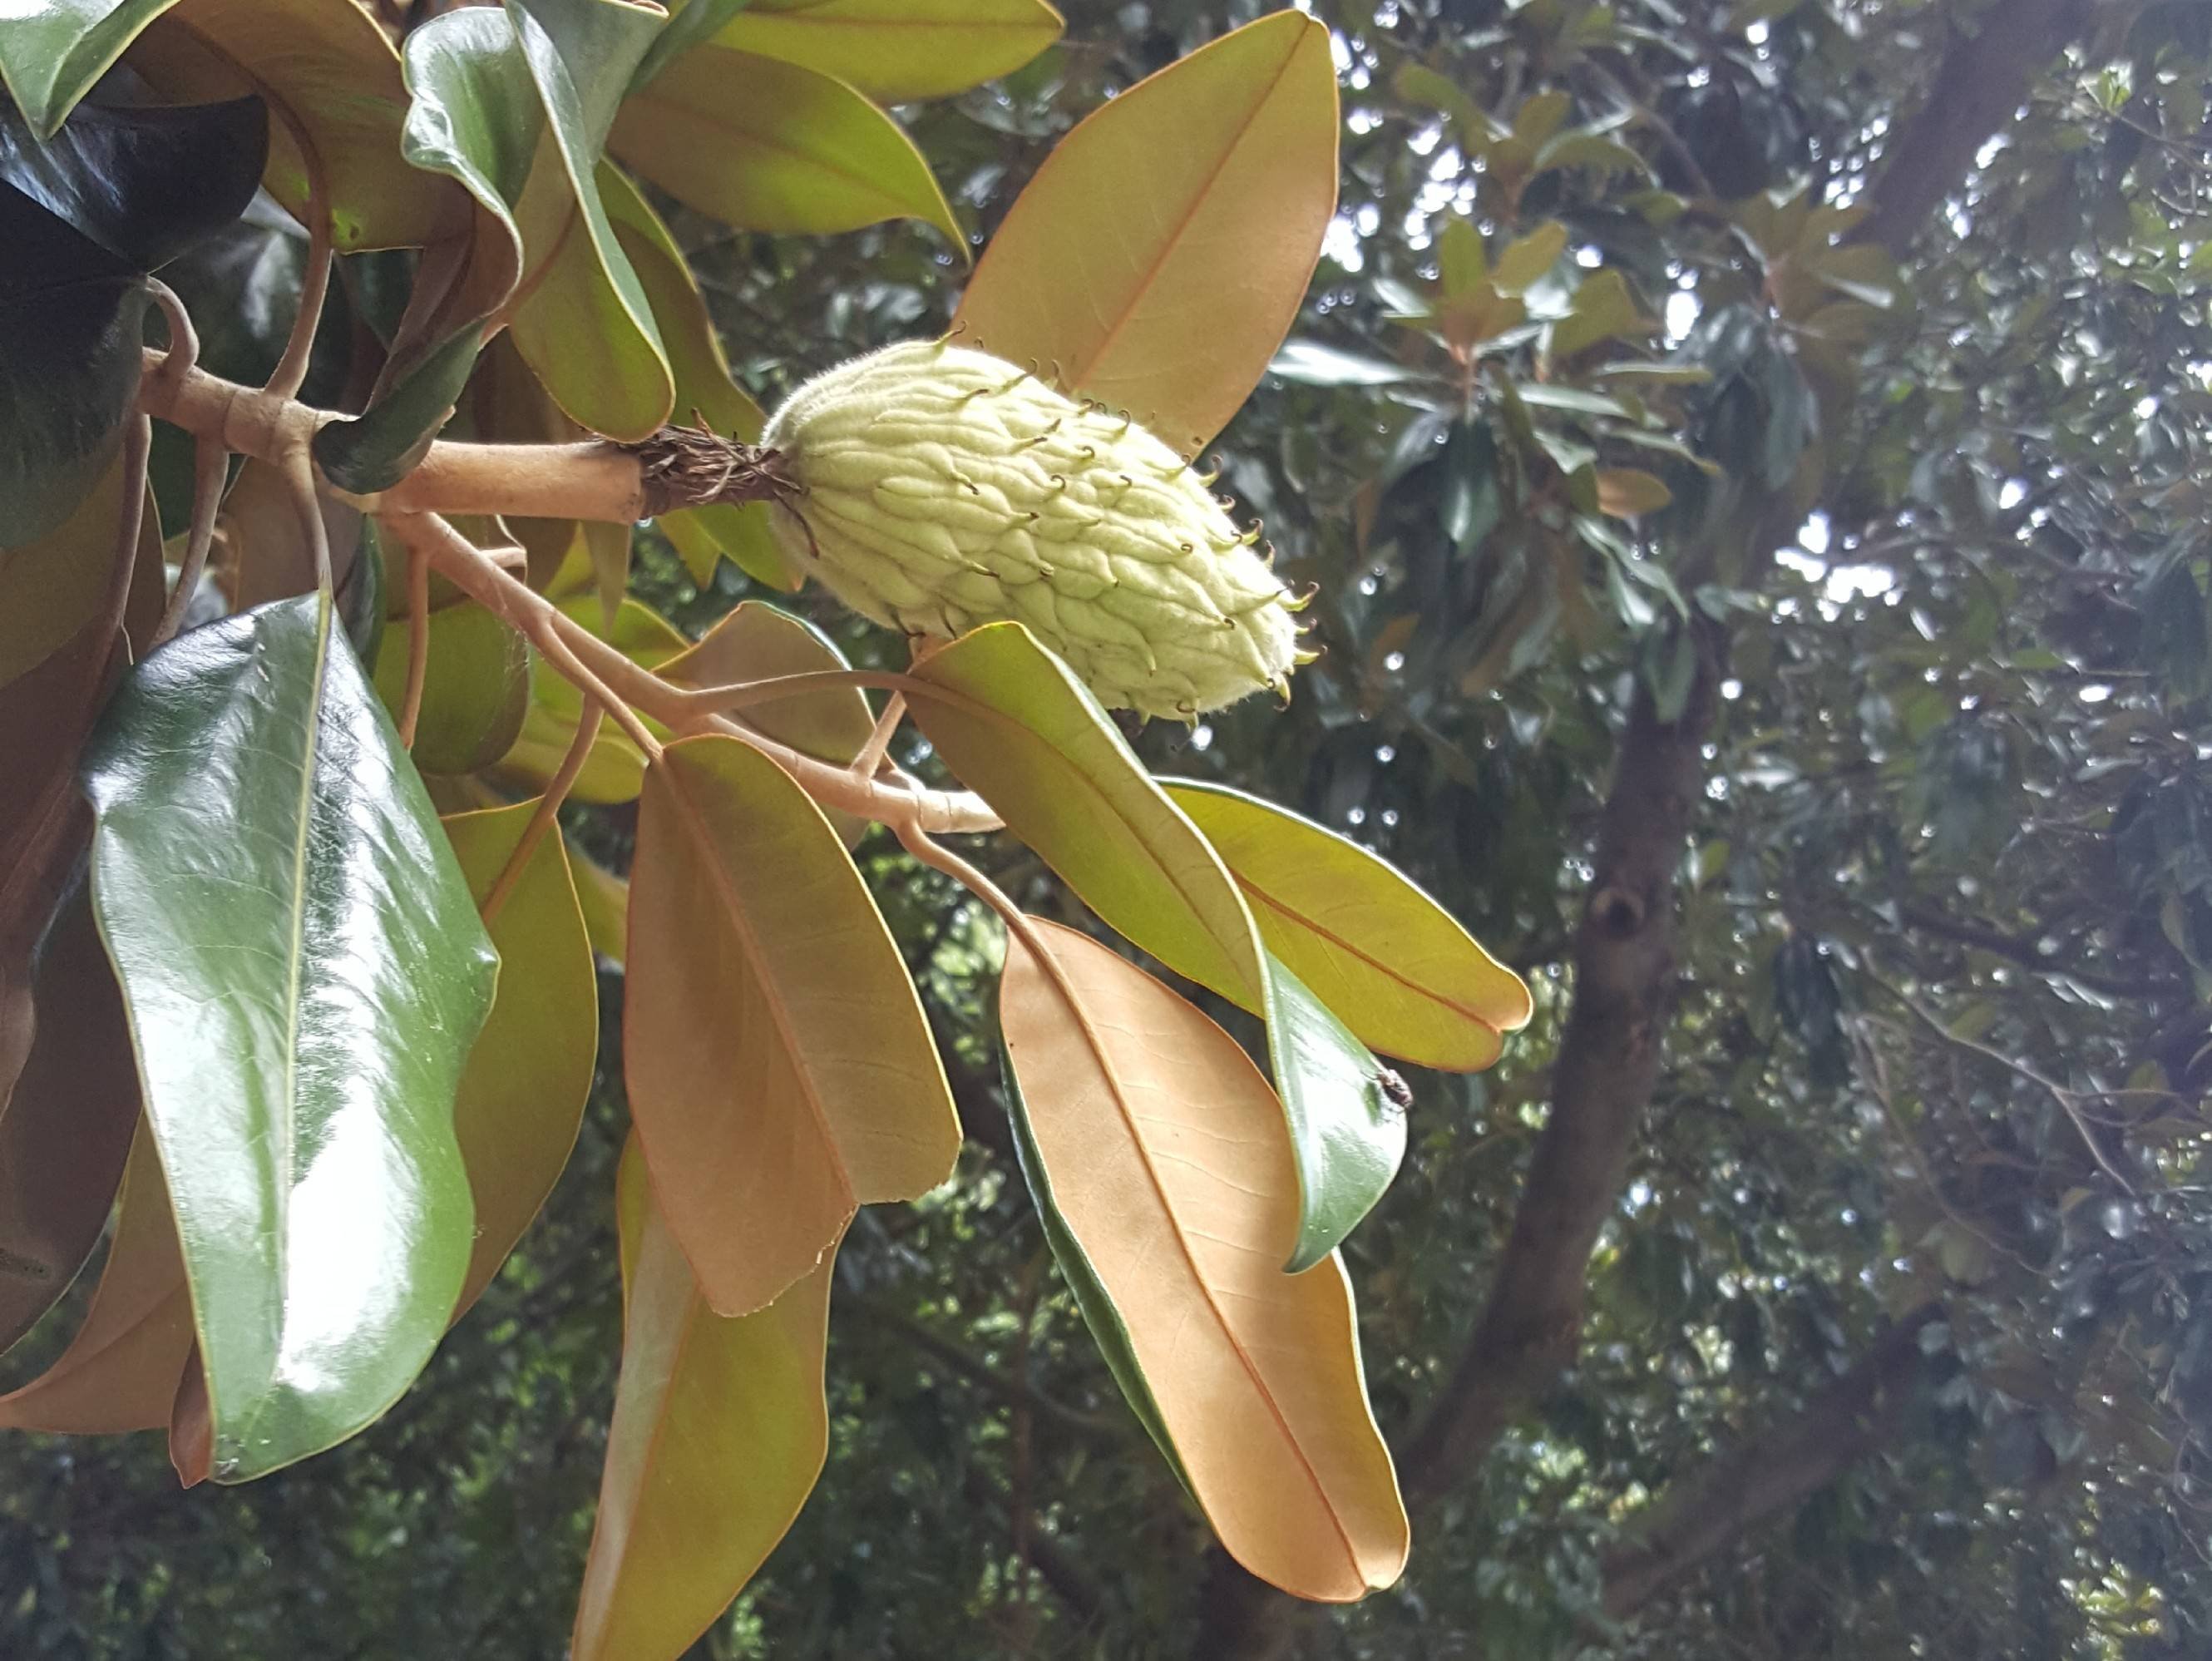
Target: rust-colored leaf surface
1158,259
780,1072
120,1373
1167,1156
720,1430
65,1128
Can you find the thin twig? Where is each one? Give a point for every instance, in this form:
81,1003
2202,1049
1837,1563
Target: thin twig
299,472
879,740
292,367
549,809
418,643
213,468
138,448
2068,1100
184,352
601,670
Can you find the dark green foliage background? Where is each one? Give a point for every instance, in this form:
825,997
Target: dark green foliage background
1969,784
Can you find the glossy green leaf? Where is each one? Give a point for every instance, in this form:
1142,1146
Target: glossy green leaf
1019,730
772,146
1347,1135
120,1370
1166,1160
338,76
473,115
616,767
1112,265
52,51
66,1124
304,973
720,1428
780,1071
376,449
1392,964
704,389
83,219
476,688
897,51
522,1094
146,184
506,101
586,326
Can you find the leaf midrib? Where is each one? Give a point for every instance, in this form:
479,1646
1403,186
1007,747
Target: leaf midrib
288,1128
1367,959
696,825
1150,275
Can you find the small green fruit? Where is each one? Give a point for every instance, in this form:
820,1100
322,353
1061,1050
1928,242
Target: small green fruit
941,487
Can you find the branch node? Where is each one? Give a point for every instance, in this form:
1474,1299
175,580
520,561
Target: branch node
696,467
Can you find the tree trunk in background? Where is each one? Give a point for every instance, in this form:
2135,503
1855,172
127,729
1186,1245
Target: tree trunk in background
1609,1056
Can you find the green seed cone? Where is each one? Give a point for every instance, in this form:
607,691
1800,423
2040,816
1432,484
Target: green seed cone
942,487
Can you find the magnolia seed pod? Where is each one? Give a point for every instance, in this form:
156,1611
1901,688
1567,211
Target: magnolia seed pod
939,487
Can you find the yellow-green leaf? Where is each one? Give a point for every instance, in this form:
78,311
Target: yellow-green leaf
1160,254
120,1371
522,1094
1023,734
476,687
604,898
704,388
1394,965
338,77
1603,310
898,50
616,767
720,1426
780,1072
1169,1165
1528,257
1461,264
773,146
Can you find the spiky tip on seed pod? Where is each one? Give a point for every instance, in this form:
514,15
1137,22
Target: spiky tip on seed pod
940,488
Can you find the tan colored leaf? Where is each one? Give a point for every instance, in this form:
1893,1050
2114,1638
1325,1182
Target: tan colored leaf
120,1371
522,1094
65,1126
1160,254
1168,1159
780,1072
1625,492
720,1430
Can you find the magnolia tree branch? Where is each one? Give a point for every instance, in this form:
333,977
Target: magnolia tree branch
1700,1517
622,484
